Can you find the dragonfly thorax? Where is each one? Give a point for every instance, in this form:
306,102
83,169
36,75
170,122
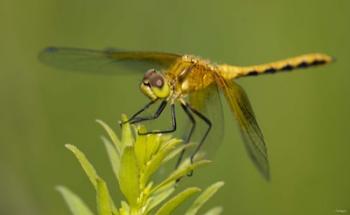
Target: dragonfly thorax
154,85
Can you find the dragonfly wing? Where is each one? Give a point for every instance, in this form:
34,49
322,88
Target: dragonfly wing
105,61
208,102
251,133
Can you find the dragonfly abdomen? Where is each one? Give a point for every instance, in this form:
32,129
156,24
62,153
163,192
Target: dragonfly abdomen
299,62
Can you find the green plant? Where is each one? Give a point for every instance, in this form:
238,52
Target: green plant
134,160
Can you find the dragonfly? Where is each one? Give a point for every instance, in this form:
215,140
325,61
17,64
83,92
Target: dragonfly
187,81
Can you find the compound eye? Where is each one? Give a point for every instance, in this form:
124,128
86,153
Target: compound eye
154,85
156,80
149,74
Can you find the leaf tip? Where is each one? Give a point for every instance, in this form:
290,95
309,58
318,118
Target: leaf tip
124,117
69,146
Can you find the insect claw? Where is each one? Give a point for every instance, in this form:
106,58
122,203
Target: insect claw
121,123
190,173
177,181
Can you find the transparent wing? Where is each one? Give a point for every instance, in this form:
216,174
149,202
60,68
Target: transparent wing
106,61
208,102
251,133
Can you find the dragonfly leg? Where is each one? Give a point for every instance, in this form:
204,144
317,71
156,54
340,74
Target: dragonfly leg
173,121
189,110
208,122
133,117
188,138
193,122
154,116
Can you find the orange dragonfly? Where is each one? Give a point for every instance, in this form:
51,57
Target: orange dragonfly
189,81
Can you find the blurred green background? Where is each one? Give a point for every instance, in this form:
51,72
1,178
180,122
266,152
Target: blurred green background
304,114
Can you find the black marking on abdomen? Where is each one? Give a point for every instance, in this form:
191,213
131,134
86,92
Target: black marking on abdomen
253,73
270,70
287,67
303,65
318,62
313,63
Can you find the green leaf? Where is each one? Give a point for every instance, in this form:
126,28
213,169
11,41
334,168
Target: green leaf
133,163
214,211
87,166
174,202
125,209
177,151
140,147
129,176
152,145
75,204
180,172
114,158
156,161
127,137
166,137
111,135
158,198
163,188
102,198
204,197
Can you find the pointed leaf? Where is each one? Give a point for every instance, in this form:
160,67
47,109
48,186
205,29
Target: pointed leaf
75,204
157,160
180,172
152,145
125,209
204,197
166,137
160,197
87,166
129,176
170,145
111,135
177,151
174,202
140,147
214,211
113,157
163,188
127,137
102,198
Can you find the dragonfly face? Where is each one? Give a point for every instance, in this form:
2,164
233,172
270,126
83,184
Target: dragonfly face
154,85
190,77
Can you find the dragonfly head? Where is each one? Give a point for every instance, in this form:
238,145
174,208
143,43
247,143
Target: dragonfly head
154,85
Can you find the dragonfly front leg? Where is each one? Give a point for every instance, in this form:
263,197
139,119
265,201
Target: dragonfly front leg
134,117
154,116
173,123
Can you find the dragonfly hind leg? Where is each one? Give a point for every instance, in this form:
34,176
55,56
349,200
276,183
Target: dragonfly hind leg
209,124
193,126
189,112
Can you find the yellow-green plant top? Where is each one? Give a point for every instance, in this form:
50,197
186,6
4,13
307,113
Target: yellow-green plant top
135,159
